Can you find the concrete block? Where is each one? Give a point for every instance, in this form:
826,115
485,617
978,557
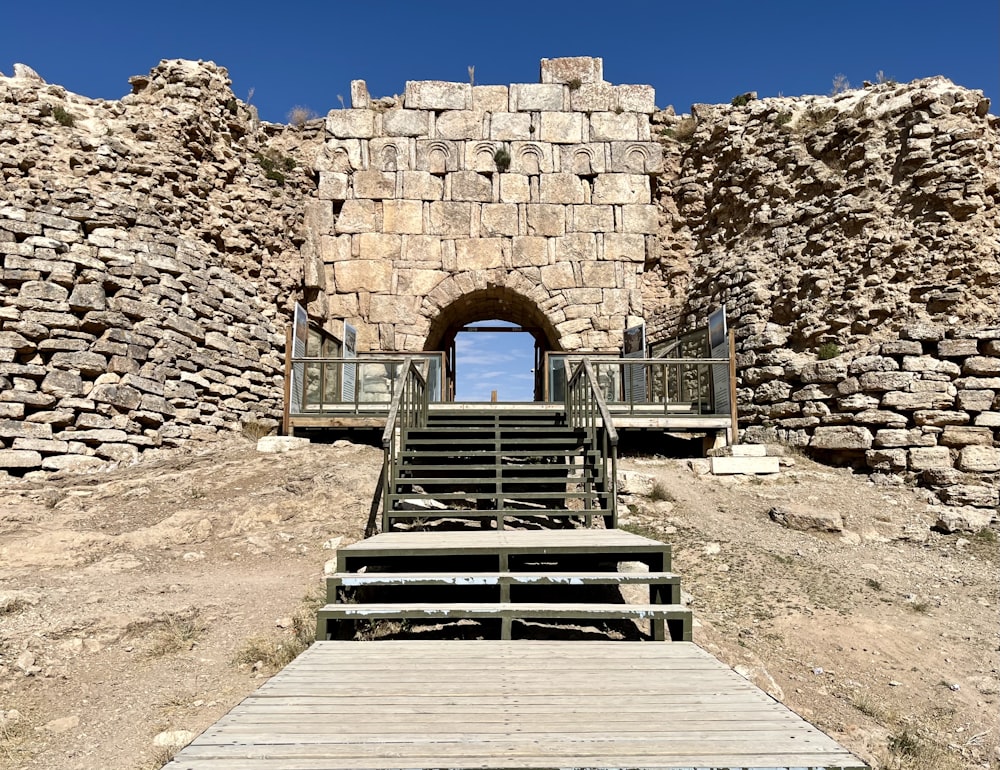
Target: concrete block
351,124
746,466
538,97
747,450
563,128
437,95
573,69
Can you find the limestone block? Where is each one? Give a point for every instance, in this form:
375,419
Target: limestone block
333,186
377,185
340,305
459,124
531,158
401,122
963,519
621,189
450,218
981,366
930,364
843,437
490,98
351,124
561,188
628,247
360,99
363,275
975,495
614,127
529,250
939,418
499,219
391,154
510,126
422,249
636,157
635,98
590,219
514,188
12,429
438,156
745,466
804,518
880,417
558,276
19,459
575,326
988,420
545,219
418,282
640,219
280,444
901,348
979,459
469,186
562,127
957,348
924,458
334,248
356,216
43,290
911,401
479,253
592,97
585,300
437,95
402,216
86,296
885,381
976,400
886,460
573,69
340,155
479,156
576,247
392,309
379,246
584,159
599,274
616,302
965,435
422,185
538,97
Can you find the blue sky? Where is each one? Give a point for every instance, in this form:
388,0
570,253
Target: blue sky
306,54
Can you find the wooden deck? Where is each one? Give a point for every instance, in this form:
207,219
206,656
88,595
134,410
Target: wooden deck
500,704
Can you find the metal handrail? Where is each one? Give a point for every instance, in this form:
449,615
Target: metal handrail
585,405
408,410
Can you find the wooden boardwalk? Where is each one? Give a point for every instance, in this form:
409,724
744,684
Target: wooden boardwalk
412,704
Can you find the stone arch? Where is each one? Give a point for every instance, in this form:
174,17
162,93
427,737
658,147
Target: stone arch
583,161
390,158
637,159
529,159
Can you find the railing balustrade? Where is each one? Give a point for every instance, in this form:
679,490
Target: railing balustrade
587,410
408,410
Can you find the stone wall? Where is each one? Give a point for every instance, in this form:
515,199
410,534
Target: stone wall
141,279
415,211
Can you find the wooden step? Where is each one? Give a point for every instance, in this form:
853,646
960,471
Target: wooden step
354,580
676,618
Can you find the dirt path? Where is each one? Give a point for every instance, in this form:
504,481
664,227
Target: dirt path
141,604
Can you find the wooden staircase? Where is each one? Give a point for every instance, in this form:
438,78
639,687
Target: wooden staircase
497,465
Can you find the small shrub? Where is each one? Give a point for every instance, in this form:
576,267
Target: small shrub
274,654
472,75
840,84
63,117
782,118
232,105
197,493
827,350
683,131
882,79
12,606
254,431
574,84
176,635
873,584
298,116
660,492
921,608
742,100
985,535
619,110
904,744
502,158
275,165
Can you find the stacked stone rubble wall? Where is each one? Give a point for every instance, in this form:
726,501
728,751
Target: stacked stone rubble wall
142,284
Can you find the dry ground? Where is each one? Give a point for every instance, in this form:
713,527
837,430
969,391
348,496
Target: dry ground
151,599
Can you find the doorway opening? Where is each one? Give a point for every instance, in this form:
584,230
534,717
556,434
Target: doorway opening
494,340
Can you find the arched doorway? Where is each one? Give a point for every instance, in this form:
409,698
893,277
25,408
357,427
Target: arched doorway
494,303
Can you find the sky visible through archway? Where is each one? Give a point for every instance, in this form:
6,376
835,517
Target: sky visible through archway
500,361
